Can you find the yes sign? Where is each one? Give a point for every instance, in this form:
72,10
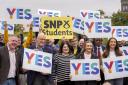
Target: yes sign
93,28
37,61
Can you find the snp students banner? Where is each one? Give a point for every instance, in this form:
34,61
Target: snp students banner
84,69
57,27
37,61
116,67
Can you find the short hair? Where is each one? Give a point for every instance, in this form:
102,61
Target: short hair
74,37
41,35
12,35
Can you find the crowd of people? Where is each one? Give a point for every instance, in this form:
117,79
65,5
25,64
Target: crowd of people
80,47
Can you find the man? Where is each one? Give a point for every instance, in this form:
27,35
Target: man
9,62
98,46
74,44
98,50
81,43
37,78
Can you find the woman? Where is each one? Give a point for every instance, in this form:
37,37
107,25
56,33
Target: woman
61,65
112,50
87,54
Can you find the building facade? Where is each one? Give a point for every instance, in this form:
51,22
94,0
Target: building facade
124,5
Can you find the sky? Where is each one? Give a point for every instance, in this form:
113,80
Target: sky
67,7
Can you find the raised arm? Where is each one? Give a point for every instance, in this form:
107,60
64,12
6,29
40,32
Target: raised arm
29,38
5,33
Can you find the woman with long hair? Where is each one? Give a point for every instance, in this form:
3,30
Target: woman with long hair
61,65
112,50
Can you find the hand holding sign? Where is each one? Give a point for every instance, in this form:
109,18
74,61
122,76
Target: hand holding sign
44,73
21,28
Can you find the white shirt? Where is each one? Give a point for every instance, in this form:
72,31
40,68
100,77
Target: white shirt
87,56
12,70
112,54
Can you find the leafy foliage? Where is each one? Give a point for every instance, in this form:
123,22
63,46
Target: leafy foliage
120,19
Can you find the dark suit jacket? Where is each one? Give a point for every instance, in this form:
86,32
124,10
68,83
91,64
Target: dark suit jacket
81,56
5,63
95,49
31,74
1,44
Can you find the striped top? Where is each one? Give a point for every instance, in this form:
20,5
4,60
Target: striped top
61,67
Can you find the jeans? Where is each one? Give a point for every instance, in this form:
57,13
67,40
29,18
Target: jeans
9,82
42,80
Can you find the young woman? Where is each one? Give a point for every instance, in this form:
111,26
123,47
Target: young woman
87,54
61,65
112,50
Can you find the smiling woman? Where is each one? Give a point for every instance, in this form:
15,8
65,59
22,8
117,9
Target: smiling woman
61,65
112,50
87,54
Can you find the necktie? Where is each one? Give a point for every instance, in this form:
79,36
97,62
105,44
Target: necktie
99,54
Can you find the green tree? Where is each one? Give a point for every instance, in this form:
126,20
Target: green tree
120,19
102,13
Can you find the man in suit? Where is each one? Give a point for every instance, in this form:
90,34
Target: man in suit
98,46
9,62
38,78
98,50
